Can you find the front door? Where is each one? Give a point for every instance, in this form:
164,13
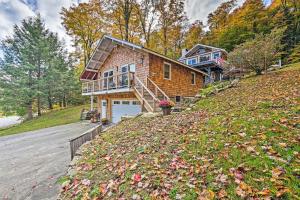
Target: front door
104,108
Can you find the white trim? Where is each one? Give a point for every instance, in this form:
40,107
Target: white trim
170,70
194,57
193,78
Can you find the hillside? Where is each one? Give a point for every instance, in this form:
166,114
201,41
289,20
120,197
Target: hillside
241,143
53,118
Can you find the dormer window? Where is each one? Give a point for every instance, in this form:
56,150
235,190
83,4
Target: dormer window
192,61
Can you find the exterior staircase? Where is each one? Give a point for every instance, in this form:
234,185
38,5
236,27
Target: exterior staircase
149,94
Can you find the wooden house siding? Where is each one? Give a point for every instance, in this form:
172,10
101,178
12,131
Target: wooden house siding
180,83
121,56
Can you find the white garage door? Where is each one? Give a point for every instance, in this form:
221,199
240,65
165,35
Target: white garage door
125,108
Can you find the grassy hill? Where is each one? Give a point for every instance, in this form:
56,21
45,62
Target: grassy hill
241,143
53,118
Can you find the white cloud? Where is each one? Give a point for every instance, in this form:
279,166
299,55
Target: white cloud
12,12
199,9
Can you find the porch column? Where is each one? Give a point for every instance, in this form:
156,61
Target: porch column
92,102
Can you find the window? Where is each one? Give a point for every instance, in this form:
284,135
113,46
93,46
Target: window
204,58
216,55
136,103
108,81
125,102
167,71
132,67
193,78
124,69
177,99
117,102
192,61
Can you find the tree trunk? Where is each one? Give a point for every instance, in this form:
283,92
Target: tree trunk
39,106
64,101
38,89
50,104
165,41
29,111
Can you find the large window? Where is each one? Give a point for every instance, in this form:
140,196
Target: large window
193,78
167,71
108,81
204,58
192,61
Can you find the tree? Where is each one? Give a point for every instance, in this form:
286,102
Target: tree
295,55
120,14
33,72
287,14
86,23
147,18
194,34
219,17
171,19
23,66
257,54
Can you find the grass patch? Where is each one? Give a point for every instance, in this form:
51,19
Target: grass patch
53,118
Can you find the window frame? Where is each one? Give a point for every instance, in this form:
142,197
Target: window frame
193,78
190,59
176,98
170,70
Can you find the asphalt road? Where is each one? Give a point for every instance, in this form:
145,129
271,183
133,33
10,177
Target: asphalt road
31,162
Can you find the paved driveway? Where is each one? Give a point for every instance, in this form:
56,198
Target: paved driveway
31,162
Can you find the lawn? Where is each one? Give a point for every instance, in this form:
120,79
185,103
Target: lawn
53,118
242,143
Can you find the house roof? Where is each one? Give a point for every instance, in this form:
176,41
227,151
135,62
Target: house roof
103,50
198,46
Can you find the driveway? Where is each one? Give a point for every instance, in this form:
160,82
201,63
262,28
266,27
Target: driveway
31,162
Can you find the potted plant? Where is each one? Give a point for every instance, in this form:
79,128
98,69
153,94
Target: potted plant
166,106
104,121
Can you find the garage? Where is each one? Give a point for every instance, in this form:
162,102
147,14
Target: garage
124,108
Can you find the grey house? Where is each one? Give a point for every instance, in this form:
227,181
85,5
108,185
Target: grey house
208,59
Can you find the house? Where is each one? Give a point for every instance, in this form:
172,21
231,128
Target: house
207,59
127,79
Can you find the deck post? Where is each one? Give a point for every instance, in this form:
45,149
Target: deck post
92,102
128,79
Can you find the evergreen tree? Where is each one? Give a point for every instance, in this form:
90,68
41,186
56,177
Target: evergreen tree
35,71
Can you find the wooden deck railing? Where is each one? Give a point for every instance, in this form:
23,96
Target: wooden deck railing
159,93
145,96
118,81
89,135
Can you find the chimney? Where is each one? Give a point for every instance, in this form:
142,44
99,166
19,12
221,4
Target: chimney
183,52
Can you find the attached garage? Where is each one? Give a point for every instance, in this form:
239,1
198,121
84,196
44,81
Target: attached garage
122,108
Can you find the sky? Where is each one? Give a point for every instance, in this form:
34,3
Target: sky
13,11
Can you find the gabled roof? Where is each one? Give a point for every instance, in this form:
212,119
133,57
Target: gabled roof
198,46
104,48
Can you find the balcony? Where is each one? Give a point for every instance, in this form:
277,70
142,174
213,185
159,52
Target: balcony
118,83
205,59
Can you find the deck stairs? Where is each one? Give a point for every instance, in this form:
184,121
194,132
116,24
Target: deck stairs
149,94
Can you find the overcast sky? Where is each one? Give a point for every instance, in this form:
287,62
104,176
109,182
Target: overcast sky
13,11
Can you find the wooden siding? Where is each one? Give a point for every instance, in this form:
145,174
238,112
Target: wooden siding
121,56
180,83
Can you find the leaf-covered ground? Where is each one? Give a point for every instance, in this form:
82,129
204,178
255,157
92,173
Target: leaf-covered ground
241,143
